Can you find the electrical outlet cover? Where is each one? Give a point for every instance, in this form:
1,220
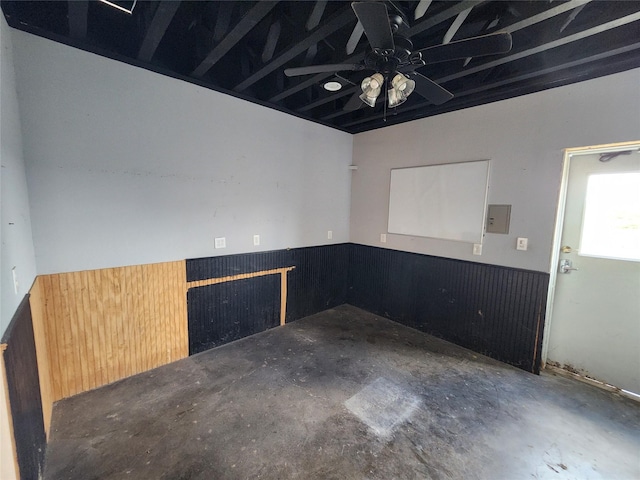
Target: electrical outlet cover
522,243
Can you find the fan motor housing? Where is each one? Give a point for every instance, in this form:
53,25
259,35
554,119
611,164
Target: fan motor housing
403,48
387,64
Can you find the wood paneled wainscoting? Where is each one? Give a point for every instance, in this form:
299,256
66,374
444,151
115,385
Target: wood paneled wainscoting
99,326
81,330
95,327
493,310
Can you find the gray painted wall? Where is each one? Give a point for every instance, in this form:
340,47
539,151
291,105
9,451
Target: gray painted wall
15,223
524,137
127,167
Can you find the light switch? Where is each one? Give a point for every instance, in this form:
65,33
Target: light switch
220,242
498,218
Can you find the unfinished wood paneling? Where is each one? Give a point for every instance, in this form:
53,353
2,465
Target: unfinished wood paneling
104,325
44,371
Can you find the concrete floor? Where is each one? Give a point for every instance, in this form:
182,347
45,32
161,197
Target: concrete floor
344,395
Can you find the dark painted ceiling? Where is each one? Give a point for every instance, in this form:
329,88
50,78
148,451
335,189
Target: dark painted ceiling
243,47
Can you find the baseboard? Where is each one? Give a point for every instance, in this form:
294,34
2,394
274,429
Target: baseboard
591,381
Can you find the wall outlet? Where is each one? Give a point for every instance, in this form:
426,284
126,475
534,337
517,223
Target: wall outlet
330,234
383,238
477,249
221,242
256,240
522,243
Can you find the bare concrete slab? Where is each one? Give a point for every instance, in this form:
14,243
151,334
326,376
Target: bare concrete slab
343,395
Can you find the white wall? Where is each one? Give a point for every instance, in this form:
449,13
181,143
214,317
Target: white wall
126,166
15,224
524,137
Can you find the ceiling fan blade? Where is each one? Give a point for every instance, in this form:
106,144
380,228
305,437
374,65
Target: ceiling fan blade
328,68
375,20
490,44
354,103
430,89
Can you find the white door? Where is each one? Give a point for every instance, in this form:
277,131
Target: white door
595,318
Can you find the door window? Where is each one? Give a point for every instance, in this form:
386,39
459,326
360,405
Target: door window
611,224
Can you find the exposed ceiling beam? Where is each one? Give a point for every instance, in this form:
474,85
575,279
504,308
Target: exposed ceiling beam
546,46
511,29
547,14
298,87
354,39
223,20
161,20
244,26
272,40
532,51
455,26
430,22
572,17
312,51
317,79
576,63
337,22
421,9
519,78
77,11
339,113
322,101
316,15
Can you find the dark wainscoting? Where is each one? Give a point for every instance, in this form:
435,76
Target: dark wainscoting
23,384
318,282
496,311
225,312
493,310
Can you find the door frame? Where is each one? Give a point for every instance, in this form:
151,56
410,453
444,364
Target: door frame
569,153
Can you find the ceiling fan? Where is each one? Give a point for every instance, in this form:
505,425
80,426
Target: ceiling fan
394,60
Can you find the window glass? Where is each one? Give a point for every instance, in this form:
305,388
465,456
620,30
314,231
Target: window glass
611,223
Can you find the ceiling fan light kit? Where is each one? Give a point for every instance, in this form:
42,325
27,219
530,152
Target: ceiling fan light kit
401,88
371,88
